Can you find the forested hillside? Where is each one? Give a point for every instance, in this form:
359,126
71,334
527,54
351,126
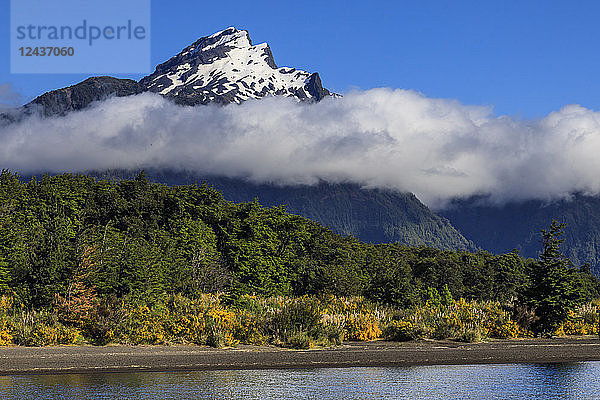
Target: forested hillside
137,239
137,262
371,215
501,228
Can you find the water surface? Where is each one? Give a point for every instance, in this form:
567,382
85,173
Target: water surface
511,381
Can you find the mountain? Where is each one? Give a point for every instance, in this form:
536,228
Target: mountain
81,95
72,98
221,68
517,225
226,68
371,215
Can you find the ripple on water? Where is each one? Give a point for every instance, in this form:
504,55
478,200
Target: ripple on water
510,381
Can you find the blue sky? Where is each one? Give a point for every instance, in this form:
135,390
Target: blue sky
524,58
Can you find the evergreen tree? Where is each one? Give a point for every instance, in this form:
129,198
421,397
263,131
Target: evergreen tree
446,296
553,291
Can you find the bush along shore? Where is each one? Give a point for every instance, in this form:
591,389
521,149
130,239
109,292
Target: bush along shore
134,262
294,322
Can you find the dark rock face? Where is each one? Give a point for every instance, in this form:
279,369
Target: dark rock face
6,118
315,88
81,95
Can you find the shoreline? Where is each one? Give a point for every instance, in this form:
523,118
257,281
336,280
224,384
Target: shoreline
16,360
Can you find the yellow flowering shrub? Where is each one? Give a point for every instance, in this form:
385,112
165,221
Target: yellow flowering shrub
144,327
188,328
296,322
221,324
356,318
399,331
462,319
200,321
248,328
504,329
362,327
184,321
48,335
6,337
582,321
499,324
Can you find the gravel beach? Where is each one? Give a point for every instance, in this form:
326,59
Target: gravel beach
74,359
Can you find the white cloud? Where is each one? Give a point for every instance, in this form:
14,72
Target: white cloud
436,148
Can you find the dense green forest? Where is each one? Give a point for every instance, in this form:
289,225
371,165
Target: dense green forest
369,214
139,242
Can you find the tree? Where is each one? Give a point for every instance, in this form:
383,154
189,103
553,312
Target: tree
4,276
553,291
81,300
446,296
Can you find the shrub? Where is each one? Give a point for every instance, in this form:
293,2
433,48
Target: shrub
143,326
399,331
582,321
334,335
44,335
221,325
299,340
470,336
5,337
248,328
362,327
295,316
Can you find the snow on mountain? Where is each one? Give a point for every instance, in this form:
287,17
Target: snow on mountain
227,68
221,68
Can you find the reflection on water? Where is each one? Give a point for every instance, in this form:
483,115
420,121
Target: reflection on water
535,381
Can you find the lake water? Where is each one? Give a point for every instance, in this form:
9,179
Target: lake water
513,381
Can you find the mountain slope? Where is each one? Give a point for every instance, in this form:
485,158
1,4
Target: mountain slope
517,226
81,95
372,215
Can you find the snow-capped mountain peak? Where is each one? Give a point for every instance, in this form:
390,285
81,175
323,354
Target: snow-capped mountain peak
226,67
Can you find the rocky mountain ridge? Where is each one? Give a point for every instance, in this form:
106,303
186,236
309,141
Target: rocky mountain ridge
221,68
